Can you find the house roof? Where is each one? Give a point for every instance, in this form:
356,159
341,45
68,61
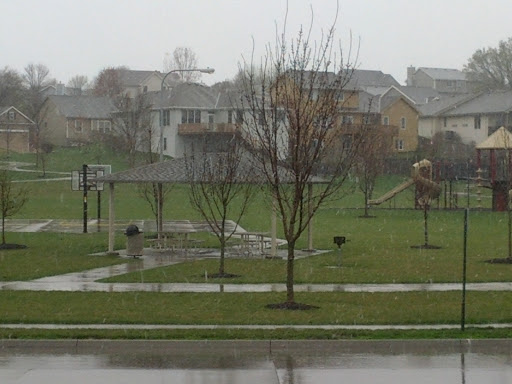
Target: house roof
418,95
5,109
439,106
501,139
87,107
185,95
362,78
129,77
484,103
443,73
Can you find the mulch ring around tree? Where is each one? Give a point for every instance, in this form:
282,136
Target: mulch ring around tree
426,246
505,260
293,306
7,246
222,276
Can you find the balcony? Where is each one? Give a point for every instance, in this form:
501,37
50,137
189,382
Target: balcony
207,129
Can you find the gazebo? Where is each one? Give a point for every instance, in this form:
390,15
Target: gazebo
499,173
172,172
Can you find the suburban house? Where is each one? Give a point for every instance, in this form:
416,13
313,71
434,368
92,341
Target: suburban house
137,82
399,111
193,114
71,120
473,118
444,80
16,130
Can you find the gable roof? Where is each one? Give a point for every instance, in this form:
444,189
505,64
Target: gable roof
131,78
87,107
6,109
443,104
484,103
501,139
362,78
417,95
443,73
185,95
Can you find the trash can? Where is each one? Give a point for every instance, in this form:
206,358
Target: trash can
134,241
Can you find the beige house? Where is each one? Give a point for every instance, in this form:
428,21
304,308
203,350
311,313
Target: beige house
400,112
71,120
16,130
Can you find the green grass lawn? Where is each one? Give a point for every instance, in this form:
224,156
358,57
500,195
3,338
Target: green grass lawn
378,251
50,254
250,308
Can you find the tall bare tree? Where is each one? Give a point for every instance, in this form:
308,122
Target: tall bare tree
108,82
11,88
221,187
374,148
12,199
78,84
491,68
36,77
131,121
293,102
183,58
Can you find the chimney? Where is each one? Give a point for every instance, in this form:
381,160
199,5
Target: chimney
410,76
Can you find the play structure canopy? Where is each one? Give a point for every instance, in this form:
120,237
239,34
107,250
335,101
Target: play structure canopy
501,139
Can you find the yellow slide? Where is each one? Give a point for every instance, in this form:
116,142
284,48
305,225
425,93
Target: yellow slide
395,191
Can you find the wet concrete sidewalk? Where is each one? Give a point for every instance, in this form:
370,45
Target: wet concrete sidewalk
87,281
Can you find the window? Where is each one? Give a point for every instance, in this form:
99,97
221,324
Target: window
103,126
477,122
403,123
211,120
445,122
347,119
346,141
12,115
190,116
145,89
385,120
166,118
78,125
230,117
399,145
165,143
449,83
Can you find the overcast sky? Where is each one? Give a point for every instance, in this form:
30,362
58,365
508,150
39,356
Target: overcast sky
81,37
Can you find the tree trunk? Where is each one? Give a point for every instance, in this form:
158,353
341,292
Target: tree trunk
290,295
366,198
425,222
222,248
3,229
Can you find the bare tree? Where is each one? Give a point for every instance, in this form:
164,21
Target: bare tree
293,104
183,58
78,84
131,120
11,199
36,77
108,82
11,88
491,68
221,187
375,146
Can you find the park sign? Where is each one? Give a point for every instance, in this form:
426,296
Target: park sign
87,176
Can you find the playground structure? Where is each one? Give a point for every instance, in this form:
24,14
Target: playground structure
426,188
496,153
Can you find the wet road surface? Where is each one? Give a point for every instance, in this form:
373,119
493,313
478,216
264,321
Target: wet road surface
248,362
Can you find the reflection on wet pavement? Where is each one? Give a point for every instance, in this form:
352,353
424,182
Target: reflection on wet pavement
308,362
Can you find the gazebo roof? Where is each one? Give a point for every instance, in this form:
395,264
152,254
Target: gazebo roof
175,171
501,139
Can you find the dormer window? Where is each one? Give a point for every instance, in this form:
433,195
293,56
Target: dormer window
12,115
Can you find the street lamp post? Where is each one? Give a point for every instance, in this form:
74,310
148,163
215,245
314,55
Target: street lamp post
161,143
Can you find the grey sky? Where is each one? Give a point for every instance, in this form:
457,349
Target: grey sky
81,37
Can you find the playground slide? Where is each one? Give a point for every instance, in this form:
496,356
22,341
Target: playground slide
392,193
